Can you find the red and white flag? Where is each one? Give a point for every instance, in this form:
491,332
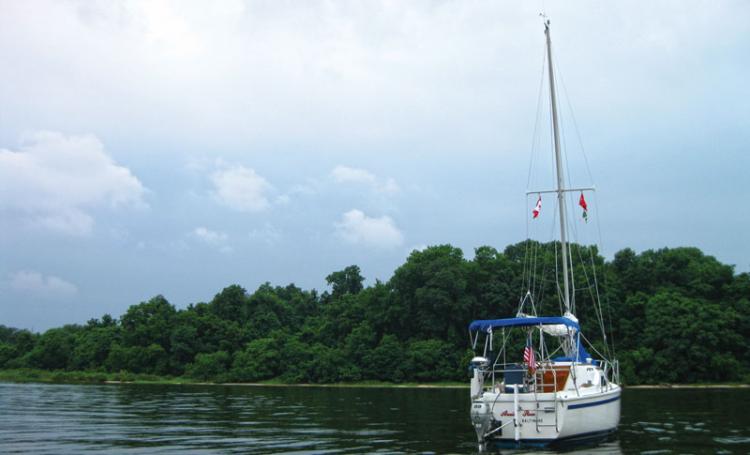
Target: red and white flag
538,207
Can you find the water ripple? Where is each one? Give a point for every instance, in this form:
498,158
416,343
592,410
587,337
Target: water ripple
141,419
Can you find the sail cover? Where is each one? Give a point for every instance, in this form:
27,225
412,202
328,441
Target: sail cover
485,325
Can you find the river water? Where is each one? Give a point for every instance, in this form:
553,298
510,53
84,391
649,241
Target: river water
60,419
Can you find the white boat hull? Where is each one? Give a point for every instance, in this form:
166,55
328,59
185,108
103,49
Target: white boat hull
544,419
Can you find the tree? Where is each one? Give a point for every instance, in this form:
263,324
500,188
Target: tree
258,361
432,360
149,323
347,281
209,366
676,315
430,295
387,361
230,304
54,349
92,347
690,340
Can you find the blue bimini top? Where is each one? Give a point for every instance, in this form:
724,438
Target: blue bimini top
485,325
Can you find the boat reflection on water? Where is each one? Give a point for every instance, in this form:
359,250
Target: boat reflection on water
609,446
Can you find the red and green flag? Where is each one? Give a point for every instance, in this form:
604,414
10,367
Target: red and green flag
585,207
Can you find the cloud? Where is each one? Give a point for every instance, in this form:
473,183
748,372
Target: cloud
35,283
241,189
345,174
53,181
214,239
357,228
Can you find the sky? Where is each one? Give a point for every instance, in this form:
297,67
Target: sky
178,147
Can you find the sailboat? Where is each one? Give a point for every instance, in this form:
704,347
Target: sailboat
533,381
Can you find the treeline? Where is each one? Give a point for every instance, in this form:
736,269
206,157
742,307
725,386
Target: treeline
675,316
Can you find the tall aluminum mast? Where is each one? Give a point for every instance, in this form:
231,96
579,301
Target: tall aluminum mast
560,179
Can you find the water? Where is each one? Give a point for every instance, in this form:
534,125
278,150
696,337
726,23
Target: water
59,419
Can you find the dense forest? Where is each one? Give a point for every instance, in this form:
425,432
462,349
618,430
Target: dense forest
675,316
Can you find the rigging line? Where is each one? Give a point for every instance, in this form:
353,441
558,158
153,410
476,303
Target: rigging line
575,122
535,249
591,179
569,224
527,273
526,252
599,303
555,244
571,196
548,281
532,263
532,247
535,137
594,298
596,351
555,351
606,286
535,146
563,152
540,298
543,278
555,210
577,130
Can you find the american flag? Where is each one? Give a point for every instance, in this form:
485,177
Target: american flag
528,356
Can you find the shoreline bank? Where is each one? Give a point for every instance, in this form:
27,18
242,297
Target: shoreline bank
87,377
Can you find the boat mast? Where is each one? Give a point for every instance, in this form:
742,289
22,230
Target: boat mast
560,179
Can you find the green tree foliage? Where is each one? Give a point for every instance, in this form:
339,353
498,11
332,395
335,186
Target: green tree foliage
209,366
92,347
347,281
14,345
259,360
675,315
54,349
148,323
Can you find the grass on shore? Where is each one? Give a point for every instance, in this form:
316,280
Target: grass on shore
101,377
83,377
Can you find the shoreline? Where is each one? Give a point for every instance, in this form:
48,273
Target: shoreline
419,386
124,378
688,386
351,385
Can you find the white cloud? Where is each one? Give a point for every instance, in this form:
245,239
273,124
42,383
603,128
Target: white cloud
53,180
241,189
37,284
346,174
216,239
357,228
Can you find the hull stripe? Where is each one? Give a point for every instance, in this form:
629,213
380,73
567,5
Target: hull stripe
568,440
595,403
